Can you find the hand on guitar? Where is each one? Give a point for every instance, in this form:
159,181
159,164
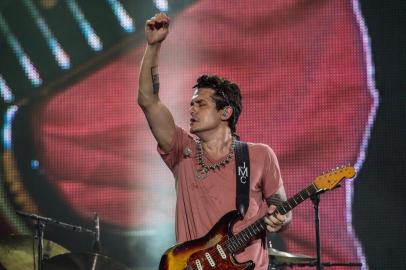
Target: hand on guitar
275,221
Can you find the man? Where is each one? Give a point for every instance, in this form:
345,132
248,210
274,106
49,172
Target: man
204,165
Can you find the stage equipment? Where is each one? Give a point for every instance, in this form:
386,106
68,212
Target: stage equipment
279,259
17,252
285,257
315,198
40,224
82,261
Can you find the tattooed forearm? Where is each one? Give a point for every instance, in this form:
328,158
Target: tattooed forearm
275,199
155,79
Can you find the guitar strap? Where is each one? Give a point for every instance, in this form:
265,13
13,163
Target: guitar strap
242,166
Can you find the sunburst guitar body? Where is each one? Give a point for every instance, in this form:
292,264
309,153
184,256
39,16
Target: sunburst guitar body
196,254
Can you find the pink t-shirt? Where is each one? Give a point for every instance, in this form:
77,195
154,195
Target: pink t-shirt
202,202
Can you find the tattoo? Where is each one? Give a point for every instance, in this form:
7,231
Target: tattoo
155,79
275,199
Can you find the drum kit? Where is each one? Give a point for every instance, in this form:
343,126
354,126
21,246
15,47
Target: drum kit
279,259
33,252
282,260
18,252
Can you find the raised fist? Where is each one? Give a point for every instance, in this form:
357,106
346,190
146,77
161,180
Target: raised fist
157,28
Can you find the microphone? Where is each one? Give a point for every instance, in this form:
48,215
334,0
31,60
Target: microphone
96,247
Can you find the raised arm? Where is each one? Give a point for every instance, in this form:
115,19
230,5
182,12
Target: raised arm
159,118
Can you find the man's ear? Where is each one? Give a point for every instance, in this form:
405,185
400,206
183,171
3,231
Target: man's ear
226,113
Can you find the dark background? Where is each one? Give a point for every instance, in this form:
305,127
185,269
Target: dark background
379,200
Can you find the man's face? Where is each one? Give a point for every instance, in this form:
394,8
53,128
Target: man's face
204,115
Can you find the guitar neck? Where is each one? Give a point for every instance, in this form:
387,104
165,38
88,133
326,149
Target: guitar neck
243,238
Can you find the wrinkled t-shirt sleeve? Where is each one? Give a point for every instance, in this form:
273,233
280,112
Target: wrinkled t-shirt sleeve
272,179
181,140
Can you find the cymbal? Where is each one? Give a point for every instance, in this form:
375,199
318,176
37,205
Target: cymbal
285,257
82,261
17,251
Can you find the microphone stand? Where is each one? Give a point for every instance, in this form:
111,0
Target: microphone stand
96,246
41,223
315,198
39,236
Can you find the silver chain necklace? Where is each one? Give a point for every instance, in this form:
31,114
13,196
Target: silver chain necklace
204,169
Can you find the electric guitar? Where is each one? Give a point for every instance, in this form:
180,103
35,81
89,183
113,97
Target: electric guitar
216,249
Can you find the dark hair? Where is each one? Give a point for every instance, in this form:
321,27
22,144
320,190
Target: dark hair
226,94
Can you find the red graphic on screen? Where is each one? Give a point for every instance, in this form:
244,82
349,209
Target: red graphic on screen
300,65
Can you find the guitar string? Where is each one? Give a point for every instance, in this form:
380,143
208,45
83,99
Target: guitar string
290,204
229,243
239,241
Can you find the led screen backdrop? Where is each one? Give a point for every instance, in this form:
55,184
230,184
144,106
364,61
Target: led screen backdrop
75,142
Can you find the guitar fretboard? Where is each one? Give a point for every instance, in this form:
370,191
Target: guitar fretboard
242,239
